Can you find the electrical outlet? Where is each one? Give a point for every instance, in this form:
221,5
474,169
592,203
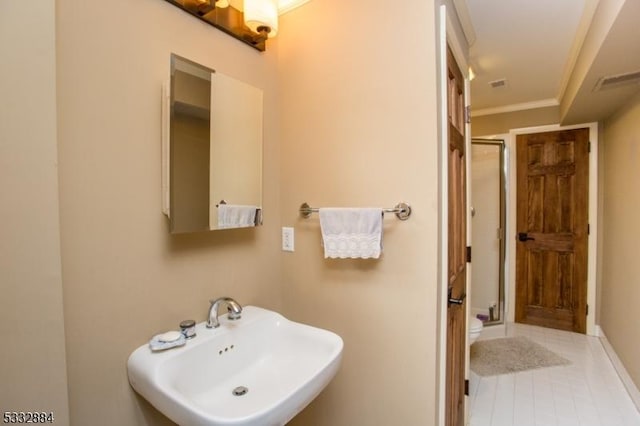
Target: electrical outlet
287,239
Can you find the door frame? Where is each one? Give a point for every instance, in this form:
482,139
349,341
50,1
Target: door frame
594,202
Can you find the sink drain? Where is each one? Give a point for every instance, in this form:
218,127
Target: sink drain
240,390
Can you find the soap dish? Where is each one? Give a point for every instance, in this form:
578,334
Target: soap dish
155,344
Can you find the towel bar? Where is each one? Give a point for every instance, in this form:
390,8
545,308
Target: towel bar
402,210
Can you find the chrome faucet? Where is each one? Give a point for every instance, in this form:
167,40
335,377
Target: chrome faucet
233,307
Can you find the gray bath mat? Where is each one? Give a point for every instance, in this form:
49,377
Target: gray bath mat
510,355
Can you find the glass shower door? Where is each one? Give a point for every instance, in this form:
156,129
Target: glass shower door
488,230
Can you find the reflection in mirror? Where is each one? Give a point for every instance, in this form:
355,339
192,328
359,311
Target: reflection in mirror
214,150
190,146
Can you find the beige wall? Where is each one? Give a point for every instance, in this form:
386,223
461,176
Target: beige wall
620,294
32,358
125,278
494,124
354,128
359,128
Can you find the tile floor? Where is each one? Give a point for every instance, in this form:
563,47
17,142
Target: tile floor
586,393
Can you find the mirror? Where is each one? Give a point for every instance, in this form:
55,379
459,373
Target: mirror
212,153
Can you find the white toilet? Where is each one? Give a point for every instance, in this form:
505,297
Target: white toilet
475,328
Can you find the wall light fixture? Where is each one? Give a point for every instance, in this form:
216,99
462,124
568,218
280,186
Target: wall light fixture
250,21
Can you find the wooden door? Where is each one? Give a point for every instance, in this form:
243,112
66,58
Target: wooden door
457,240
552,229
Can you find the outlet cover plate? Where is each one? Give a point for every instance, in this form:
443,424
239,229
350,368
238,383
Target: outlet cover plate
287,239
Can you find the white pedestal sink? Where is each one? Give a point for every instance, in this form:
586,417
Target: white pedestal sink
260,370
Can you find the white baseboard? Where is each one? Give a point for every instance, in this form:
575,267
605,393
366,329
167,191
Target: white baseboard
631,387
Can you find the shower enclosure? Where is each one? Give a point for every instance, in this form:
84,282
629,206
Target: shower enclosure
488,212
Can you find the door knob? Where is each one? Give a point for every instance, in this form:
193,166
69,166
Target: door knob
460,301
523,236
454,301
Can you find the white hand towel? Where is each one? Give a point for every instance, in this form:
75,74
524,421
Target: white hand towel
351,232
236,216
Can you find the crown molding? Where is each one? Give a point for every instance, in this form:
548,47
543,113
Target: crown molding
543,103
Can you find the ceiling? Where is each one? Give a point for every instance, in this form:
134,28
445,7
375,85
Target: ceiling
551,53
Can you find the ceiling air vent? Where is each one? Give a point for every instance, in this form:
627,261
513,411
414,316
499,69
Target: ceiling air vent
496,84
613,81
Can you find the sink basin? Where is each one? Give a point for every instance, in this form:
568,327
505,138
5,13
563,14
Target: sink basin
262,369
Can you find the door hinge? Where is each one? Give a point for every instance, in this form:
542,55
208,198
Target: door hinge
468,254
588,229
467,114
466,387
589,146
587,310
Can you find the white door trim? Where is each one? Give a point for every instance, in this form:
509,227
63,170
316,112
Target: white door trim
443,218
